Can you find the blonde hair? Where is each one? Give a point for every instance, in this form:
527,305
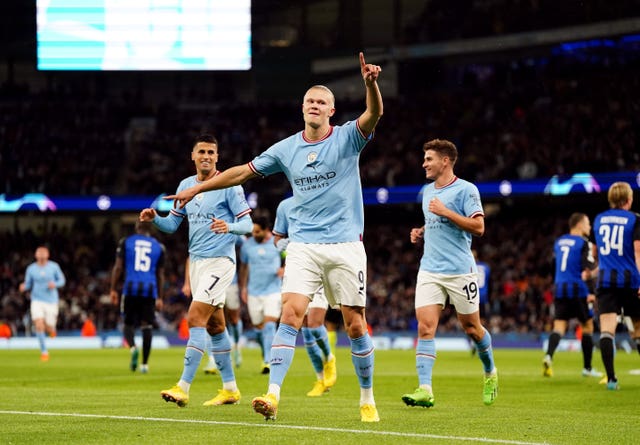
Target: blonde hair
619,194
325,89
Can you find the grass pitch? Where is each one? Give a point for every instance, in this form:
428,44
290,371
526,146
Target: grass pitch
91,397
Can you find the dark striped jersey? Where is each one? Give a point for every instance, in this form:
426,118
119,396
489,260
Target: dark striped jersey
573,255
615,231
484,273
142,256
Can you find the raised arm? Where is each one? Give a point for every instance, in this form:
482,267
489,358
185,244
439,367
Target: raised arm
234,176
369,119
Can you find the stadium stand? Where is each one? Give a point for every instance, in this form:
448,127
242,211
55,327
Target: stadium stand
547,110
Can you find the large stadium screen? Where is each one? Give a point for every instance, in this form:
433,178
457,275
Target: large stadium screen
131,35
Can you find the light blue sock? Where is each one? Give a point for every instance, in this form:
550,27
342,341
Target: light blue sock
238,331
362,358
485,352
41,341
282,349
314,351
193,354
231,329
235,331
268,332
425,359
321,336
260,342
221,350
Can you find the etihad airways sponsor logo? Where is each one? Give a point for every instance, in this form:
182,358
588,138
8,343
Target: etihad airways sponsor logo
310,180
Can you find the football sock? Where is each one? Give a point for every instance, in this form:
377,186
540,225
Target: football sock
41,341
147,335
333,339
260,342
314,351
235,331
128,333
268,332
362,356
606,351
282,350
320,334
221,350
587,350
485,352
193,353
554,341
425,359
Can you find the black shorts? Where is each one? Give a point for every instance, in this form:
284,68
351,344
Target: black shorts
568,308
611,299
334,316
139,309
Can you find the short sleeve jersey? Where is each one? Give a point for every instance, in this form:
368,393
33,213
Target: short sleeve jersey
281,226
447,248
227,204
615,231
325,178
37,279
142,256
263,260
572,255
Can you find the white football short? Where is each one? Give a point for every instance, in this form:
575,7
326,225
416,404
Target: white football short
233,297
46,311
210,279
341,268
264,306
460,290
319,301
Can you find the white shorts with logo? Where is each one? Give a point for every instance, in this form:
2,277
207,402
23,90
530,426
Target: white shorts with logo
341,268
46,311
264,306
319,301
210,279
233,297
436,288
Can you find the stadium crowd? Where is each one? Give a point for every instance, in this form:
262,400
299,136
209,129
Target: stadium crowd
451,20
521,277
554,119
524,118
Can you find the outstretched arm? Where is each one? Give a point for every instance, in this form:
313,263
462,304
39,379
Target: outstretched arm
368,120
234,176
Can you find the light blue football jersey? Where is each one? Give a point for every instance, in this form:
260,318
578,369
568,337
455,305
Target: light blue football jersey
238,245
447,248
325,178
228,204
281,225
264,261
37,279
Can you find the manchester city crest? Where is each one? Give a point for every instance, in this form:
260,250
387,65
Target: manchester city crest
311,157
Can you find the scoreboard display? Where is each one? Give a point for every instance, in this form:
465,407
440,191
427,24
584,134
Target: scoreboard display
149,35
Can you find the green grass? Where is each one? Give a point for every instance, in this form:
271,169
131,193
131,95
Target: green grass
91,397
